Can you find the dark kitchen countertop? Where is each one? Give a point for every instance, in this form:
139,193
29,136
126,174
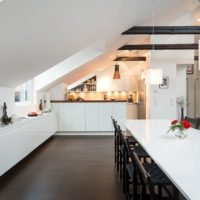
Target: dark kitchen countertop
88,101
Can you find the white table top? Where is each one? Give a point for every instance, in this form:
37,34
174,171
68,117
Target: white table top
178,158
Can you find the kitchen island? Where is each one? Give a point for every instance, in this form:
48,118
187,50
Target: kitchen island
92,116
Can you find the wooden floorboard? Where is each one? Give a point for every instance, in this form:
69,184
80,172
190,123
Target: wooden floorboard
65,168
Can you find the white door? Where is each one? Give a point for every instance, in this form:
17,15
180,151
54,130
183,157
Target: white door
65,117
105,113
92,117
78,117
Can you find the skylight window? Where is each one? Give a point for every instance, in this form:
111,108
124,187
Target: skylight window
24,92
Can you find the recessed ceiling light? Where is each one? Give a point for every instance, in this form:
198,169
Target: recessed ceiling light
198,19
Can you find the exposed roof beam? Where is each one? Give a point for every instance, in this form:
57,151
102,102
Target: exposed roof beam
161,30
160,47
128,58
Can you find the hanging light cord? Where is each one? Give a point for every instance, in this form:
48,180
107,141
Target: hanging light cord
153,29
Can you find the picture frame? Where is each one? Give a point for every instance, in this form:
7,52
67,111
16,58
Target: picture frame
190,68
165,82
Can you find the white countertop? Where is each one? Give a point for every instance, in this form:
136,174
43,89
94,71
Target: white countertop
178,158
20,121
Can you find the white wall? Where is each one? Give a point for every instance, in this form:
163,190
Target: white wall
129,72
57,92
163,101
181,87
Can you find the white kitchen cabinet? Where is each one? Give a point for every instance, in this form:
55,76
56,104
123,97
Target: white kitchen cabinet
92,116
19,139
78,117
36,132
65,117
119,112
55,109
105,113
84,116
132,111
12,148
29,138
2,154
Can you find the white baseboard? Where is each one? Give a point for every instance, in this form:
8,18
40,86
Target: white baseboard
85,133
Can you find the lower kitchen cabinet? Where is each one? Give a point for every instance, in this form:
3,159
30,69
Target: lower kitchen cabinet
78,117
87,117
105,113
12,148
92,116
2,154
18,140
119,112
64,116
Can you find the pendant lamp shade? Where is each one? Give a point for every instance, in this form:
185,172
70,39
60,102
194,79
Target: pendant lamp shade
116,73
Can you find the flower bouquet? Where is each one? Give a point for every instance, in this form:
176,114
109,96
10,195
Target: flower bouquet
181,126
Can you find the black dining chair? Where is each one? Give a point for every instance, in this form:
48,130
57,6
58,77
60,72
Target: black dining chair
118,145
114,122
195,122
123,155
149,182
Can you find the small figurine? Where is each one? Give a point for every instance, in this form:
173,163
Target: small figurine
5,119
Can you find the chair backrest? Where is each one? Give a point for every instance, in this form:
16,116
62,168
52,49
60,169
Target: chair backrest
193,121
144,176
114,124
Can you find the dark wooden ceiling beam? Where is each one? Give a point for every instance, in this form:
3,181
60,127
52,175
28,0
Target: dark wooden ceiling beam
162,30
129,58
160,47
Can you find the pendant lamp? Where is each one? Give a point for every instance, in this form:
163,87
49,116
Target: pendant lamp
116,73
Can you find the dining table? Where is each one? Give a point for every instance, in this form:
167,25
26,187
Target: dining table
178,158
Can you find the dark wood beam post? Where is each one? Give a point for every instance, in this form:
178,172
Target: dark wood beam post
129,58
192,46
162,30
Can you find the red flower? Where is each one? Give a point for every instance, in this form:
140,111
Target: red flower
186,124
174,122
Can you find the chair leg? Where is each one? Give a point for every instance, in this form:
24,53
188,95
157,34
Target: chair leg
117,153
126,185
176,193
135,186
124,161
160,191
115,147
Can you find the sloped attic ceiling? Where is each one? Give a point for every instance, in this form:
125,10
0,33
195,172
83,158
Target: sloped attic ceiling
36,35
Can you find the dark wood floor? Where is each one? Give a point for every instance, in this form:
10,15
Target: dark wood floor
65,168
